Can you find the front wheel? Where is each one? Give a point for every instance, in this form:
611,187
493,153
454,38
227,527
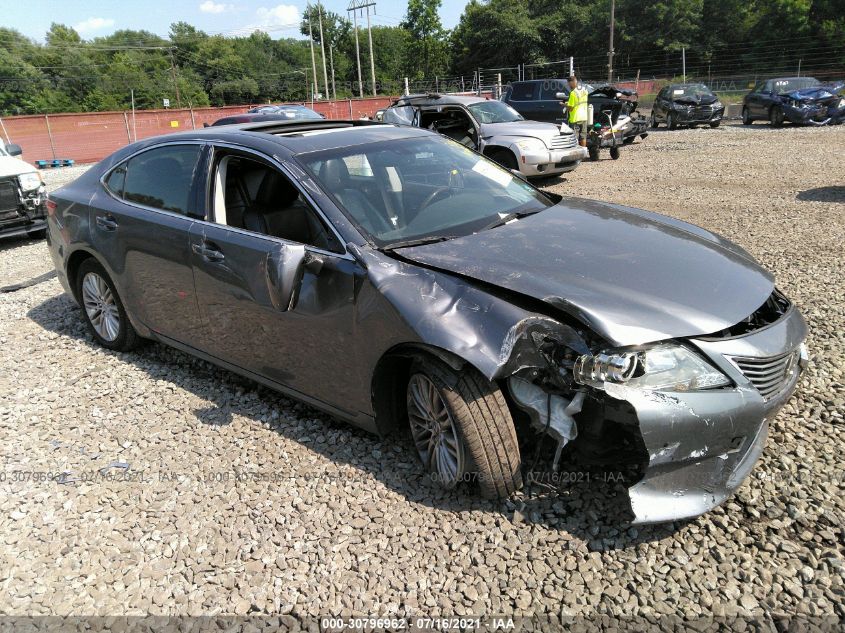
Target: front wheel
714,124
652,122
505,158
776,116
462,429
670,121
746,117
593,151
102,308
37,234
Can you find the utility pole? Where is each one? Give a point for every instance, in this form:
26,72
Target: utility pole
610,48
357,51
311,43
175,80
354,6
331,61
323,47
684,63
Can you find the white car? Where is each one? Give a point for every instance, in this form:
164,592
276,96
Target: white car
23,196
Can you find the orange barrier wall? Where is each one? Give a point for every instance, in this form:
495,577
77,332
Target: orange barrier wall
91,136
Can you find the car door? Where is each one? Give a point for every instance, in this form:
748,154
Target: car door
267,310
549,107
139,226
761,99
660,107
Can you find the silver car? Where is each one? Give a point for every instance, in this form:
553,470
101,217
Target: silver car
495,129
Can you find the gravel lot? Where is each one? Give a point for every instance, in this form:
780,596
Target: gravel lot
323,519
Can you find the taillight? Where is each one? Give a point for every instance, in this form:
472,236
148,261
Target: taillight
51,207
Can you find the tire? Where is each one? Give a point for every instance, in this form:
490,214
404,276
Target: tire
746,117
113,329
615,153
593,151
776,116
652,123
505,158
478,419
714,124
670,121
38,234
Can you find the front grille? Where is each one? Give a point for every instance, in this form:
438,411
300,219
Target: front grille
771,374
703,112
8,196
564,141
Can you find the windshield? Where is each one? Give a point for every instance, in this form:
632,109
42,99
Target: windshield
698,90
494,112
796,83
419,188
299,112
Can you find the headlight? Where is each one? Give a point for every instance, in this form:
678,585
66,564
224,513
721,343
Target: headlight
666,367
718,105
842,103
531,145
30,181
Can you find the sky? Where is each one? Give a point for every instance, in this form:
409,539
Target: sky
95,18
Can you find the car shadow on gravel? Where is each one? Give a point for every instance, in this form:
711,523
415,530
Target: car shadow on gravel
832,193
9,243
592,507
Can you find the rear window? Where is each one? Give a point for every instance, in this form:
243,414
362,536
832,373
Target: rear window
523,91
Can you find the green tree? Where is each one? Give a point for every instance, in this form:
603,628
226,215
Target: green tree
426,53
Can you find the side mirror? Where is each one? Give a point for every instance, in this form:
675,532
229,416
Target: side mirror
560,95
285,269
13,149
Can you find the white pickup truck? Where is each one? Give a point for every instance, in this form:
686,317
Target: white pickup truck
23,196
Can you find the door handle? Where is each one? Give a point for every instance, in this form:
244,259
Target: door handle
208,252
106,222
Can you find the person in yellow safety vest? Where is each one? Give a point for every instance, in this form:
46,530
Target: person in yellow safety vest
576,108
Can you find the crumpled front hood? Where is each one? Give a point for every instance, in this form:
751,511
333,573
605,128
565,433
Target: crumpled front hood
809,94
536,129
632,276
11,166
699,100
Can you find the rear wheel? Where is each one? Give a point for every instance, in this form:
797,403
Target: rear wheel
670,121
776,116
462,429
102,308
746,117
714,124
614,153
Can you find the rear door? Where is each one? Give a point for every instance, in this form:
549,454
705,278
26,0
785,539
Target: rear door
139,225
298,340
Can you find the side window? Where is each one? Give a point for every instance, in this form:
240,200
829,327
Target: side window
551,87
523,91
257,197
400,115
115,181
162,177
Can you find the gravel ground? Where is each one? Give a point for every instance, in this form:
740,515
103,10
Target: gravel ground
323,519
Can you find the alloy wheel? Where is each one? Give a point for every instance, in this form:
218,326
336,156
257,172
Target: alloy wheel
100,306
433,431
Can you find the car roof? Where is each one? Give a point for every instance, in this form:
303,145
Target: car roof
297,136
434,98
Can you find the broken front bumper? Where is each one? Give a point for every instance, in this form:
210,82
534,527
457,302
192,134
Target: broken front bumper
702,445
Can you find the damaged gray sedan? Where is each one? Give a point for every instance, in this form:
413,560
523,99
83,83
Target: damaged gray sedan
401,281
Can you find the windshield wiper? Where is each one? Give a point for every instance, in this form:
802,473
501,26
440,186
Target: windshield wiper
431,239
510,217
